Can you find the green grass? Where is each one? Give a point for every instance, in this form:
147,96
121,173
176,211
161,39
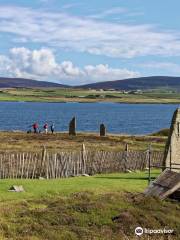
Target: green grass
102,207
81,95
132,182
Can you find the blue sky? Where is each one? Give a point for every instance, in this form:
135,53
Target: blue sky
77,42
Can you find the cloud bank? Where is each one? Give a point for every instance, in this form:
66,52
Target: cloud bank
42,64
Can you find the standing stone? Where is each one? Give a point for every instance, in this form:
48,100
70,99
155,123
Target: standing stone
15,188
102,130
72,127
172,149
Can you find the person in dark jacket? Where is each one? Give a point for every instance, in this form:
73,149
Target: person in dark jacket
46,128
52,128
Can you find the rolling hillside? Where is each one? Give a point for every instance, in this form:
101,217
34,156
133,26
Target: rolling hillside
26,83
143,83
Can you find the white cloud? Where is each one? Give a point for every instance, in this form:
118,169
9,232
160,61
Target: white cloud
105,73
41,64
83,34
70,70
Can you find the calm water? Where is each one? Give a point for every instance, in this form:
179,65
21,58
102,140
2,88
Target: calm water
119,118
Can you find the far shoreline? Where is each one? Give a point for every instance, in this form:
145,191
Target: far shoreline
85,102
56,95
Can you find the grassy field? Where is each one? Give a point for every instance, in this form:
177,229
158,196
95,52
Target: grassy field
79,95
117,182
100,207
21,141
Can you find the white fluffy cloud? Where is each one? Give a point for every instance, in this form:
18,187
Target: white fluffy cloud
39,62
42,64
104,72
84,34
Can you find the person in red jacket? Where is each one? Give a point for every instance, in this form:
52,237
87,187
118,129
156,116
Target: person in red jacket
46,128
35,127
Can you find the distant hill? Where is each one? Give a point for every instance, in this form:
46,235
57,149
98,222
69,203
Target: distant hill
142,83
26,83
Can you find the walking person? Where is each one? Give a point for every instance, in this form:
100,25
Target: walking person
46,128
35,127
52,128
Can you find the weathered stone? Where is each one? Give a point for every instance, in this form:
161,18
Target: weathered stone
172,149
102,130
41,178
168,183
72,127
85,175
15,188
165,185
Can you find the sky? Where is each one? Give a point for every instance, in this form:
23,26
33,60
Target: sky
78,42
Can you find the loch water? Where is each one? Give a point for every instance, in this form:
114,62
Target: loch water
119,118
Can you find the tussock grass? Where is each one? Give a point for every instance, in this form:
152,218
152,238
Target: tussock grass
163,132
100,207
21,141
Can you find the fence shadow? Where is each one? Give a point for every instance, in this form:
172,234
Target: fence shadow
126,178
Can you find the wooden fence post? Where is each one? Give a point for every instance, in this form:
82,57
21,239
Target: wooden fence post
47,166
64,164
83,154
126,156
149,163
43,159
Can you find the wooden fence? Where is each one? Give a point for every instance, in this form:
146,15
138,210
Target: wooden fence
65,164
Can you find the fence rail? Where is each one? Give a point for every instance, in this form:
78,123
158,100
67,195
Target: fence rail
65,164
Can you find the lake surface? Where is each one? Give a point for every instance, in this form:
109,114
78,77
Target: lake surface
119,118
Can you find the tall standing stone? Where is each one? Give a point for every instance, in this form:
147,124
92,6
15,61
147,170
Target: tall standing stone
72,127
102,130
172,149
